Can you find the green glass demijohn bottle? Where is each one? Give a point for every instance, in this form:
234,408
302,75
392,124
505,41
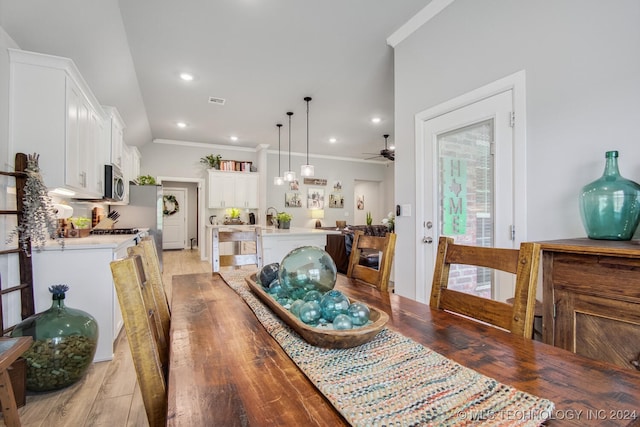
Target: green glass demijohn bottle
610,205
64,343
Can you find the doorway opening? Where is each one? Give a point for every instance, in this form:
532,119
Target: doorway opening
194,199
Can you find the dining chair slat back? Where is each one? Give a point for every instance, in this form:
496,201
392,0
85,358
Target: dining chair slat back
385,246
139,310
518,317
147,251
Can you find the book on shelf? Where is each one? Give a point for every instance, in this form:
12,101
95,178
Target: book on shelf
235,165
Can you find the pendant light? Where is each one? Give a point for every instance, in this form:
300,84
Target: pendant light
278,180
307,170
289,175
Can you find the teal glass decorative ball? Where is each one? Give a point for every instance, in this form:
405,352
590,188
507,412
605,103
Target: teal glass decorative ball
333,303
295,307
342,322
313,296
310,312
305,269
274,287
359,313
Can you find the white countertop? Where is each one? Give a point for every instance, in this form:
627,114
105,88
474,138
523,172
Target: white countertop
272,231
111,241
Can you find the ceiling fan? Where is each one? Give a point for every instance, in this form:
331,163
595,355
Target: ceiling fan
387,153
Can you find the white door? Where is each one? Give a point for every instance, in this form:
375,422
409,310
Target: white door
468,188
174,223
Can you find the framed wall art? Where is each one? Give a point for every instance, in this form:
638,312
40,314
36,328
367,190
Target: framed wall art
315,198
336,200
292,200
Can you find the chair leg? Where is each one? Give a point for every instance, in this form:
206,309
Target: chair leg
8,400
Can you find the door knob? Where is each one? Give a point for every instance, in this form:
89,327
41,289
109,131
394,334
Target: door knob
427,240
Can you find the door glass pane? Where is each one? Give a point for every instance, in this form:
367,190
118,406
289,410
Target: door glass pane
466,199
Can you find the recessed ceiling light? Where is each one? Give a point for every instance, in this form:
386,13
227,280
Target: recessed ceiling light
376,120
392,147
332,140
186,76
181,124
234,138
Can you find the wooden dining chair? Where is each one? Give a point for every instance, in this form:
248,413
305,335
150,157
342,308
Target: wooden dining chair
383,247
139,312
10,350
523,263
151,265
237,239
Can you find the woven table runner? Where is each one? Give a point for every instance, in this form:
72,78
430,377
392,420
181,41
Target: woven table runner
395,381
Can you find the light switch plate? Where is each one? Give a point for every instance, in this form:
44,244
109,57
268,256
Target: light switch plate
406,210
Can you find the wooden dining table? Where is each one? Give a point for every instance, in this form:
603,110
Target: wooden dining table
226,370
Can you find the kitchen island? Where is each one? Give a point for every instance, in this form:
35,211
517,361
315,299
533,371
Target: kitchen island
276,243
83,265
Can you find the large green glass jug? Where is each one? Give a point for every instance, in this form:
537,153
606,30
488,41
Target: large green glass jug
610,206
64,343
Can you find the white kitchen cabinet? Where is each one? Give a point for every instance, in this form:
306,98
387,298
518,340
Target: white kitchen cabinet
131,167
54,114
247,190
83,265
116,136
233,189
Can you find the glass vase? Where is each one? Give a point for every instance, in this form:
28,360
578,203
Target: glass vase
610,205
64,343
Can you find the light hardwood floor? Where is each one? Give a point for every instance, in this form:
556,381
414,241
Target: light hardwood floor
108,395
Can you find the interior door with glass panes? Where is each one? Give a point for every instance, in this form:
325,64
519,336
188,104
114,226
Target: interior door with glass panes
469,194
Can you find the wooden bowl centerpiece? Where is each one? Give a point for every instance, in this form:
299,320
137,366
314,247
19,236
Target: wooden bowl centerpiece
322,336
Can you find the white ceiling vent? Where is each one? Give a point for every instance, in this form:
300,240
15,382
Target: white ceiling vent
217,101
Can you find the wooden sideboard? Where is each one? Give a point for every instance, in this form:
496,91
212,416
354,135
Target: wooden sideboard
591,293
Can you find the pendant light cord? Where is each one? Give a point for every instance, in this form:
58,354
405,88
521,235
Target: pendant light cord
279,128
289,114
307,99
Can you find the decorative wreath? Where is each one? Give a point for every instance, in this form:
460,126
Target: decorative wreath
171,199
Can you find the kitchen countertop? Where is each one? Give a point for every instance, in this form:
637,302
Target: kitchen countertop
272,231
112,241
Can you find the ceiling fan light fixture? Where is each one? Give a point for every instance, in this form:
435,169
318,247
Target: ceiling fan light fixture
289,176
307,170
278,180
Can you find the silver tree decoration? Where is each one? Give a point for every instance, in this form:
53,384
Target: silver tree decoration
39,221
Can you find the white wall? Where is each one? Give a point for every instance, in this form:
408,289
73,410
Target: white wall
583,98
343,170
373,194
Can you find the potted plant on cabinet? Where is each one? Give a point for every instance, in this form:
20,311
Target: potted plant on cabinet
211,161
146,180
284,220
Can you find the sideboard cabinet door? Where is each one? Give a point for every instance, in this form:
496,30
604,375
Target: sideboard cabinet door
592,299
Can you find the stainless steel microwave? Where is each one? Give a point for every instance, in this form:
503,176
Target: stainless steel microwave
113,183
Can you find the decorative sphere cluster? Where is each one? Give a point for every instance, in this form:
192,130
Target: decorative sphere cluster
303,283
